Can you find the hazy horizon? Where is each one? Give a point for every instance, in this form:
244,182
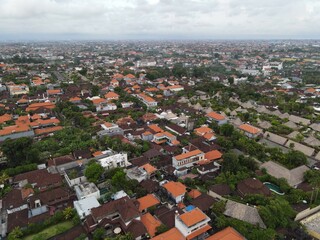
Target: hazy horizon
45,20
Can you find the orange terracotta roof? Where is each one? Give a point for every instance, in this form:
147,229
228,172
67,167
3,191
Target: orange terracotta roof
250,129
149,168
198,232
172,234
111,95
5,118
14,129
130,76
36,116
311,90
188,154
147,201
213,155
203,130
146,133
74,99
22,100
175,142
175,188
23,120
193,217
146,97
215,116
118,75
155,128
40,122
181,205
35,106
208,136
41,131
98,101
98,153
151,89
53,91
228,233
194,193
151,223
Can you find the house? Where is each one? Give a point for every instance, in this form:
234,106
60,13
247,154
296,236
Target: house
293,176
18,89
219,190
188,159
84,206
193,224
244,213
250,131
228,233
205,132
252,186
16,131
44,107
151,223
106,107
40,179
216,117
109,159
110,96
146,202
151,170
203,202
308,151
123,208
176,190
172,234
86,190
147,100
75,175
110,129
165,137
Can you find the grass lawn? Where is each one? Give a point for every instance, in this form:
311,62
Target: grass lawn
51,231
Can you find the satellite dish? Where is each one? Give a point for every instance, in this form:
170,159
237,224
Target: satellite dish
117,230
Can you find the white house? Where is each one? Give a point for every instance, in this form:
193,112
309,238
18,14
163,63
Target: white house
86,190
186,160
108,159
176,190
84,206
192,224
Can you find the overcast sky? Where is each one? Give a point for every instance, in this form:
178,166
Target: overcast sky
164,19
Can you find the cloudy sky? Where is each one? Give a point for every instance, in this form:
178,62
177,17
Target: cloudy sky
159,19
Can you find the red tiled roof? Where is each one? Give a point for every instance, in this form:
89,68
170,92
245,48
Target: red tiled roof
215,116
228,233
250,129
188,154
193,217
172,234
175,188
147,202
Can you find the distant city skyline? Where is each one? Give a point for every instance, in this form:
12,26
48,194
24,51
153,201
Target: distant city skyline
158,19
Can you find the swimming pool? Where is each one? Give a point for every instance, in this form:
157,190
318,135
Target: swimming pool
274,188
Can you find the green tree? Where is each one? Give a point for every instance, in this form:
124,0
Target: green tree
226,130
278,213
95,90
19,151
93,172
15,234
230,162
98,234
68,213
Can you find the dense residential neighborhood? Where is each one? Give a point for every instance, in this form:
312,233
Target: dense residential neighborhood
167,140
